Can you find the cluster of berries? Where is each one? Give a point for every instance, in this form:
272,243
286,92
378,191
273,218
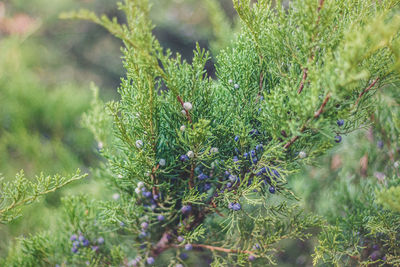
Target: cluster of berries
81,241
338,138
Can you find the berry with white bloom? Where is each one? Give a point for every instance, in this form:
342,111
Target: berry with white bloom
100,145
162,162
236,86
140,184
183,128
190,154
183,112
187,106
139,143
230,81
302,154
137,190
214,150
119,176
116,196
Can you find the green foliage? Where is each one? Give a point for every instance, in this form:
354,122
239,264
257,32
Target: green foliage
209,160
21,191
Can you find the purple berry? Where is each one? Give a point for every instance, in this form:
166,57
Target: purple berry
235,159
253,153
229,185
272,190
338,139
375,247
76,244
183,256
255,160
236,138
81,238
256,246
180,239
95,248
246,155
188,247
230,205
227,174
207,186
232,178
186,209
252,258
374,255
146,194
276,173
202,176
183,158
259,147
340,122
150,260
74,250
160,217
100,240
144,225
122,224
380,144
142,234
236,207
85,243
73,237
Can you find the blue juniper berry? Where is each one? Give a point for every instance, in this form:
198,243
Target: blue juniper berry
207,186
272,189
73,237
150,260
340,122
160,217
180,239
186,209
236,207
236,138
338,138
202,176
183,158
188,247
100,240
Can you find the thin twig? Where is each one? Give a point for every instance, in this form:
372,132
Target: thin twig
321,109
305,72
304,127
365,91
226,250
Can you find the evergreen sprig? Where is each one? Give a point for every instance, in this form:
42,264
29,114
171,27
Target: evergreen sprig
23,191
202,164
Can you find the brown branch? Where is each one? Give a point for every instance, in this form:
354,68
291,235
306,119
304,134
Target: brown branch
316,115
365,91
305,72
226,250
191,178
321,109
